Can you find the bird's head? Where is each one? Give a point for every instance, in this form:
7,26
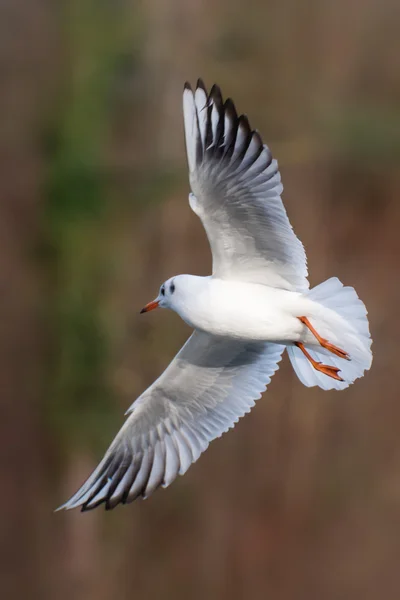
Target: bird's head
176,292
165,296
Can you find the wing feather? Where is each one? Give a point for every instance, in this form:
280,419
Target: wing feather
236,192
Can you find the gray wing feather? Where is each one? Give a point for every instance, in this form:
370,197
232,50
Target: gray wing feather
237,191
209,385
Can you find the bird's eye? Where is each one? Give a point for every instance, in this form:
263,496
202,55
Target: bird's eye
163,291
172,288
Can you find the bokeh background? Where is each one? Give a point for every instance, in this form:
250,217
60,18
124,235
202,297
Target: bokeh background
302,500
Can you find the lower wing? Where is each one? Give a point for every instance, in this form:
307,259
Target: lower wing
208,386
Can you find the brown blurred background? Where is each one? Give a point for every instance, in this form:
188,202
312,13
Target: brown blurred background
302,500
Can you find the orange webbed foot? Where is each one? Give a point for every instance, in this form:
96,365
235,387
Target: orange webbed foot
334,349
328,370
323,342
325,369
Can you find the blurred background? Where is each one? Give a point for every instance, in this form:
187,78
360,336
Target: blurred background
302,500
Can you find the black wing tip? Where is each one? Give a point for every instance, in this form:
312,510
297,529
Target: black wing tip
220,139
215,91
216,95
228,106
106,501
244,122
241,121
257,137
89,505
200,85
230,109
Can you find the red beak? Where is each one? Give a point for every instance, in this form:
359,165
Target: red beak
150,306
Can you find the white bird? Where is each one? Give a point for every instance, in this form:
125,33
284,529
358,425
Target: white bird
256,304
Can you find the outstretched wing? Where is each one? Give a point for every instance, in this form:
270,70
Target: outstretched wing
209,385
237,190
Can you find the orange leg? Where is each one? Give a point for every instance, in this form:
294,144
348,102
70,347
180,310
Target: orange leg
326,369
324,343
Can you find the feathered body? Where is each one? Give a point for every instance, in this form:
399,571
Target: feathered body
240,310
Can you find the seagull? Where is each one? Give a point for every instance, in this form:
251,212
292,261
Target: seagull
256,304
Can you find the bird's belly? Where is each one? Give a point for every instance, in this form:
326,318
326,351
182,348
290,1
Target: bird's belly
271,326
249,317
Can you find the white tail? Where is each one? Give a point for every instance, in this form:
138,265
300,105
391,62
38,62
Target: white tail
343,323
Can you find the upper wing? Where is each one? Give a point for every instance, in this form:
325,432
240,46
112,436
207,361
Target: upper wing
236,193
209,385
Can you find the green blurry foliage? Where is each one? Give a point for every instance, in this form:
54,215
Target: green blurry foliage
79,401
366,134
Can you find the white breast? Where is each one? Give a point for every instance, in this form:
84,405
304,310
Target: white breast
244,310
